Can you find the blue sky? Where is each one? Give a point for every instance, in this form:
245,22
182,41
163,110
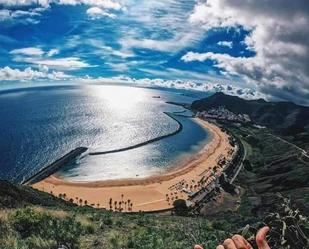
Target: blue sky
205,45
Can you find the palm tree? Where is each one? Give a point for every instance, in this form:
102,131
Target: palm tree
129,204
115,203
86,202
80,201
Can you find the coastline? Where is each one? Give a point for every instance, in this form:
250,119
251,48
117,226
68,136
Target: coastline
146,194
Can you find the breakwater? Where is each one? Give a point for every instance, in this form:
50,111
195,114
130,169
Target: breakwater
55,166
179,129
59,163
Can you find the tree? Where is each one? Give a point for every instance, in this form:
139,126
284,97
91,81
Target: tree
180,207
115,203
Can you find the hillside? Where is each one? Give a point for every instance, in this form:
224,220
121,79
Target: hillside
30,219
41,227
16,196
283,116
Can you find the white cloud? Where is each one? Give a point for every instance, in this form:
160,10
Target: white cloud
122,53
31,51
107,4
176,84
232,65
52,52
278,36
24,2
15,9
29,16
228,44
10,74
185,75
38,57
96,12
164,26
174,44
68,63
120,67
5,15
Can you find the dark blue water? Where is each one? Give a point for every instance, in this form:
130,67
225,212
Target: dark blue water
38,125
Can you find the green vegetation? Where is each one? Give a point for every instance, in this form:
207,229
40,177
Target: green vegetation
272,166
40,228
30,219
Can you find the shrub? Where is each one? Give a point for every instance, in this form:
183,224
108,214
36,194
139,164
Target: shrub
27,221
221,225
35,242
4,228
115,240
42,230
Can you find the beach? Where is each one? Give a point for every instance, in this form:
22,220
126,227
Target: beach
152,193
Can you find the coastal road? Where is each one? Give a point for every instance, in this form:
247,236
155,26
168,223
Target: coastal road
241,165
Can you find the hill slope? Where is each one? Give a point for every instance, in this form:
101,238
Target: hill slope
15,196
277,115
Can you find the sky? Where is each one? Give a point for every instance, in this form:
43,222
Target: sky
249,48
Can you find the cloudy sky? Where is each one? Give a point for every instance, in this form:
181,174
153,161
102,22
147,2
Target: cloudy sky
252,48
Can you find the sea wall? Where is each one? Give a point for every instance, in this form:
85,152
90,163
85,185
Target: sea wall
55,166
59,163
179,129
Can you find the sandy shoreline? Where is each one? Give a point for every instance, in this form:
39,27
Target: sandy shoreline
146,194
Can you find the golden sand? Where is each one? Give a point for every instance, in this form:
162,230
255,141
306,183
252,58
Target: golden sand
146,194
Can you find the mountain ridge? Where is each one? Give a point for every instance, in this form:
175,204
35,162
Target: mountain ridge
282,116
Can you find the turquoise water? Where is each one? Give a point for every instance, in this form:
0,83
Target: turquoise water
38,125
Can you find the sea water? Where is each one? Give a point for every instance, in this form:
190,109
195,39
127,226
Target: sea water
41,124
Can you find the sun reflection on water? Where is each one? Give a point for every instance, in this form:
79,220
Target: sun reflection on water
120,98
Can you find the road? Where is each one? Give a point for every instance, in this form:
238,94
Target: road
241,165
294,145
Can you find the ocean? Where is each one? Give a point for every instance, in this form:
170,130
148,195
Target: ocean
40,124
